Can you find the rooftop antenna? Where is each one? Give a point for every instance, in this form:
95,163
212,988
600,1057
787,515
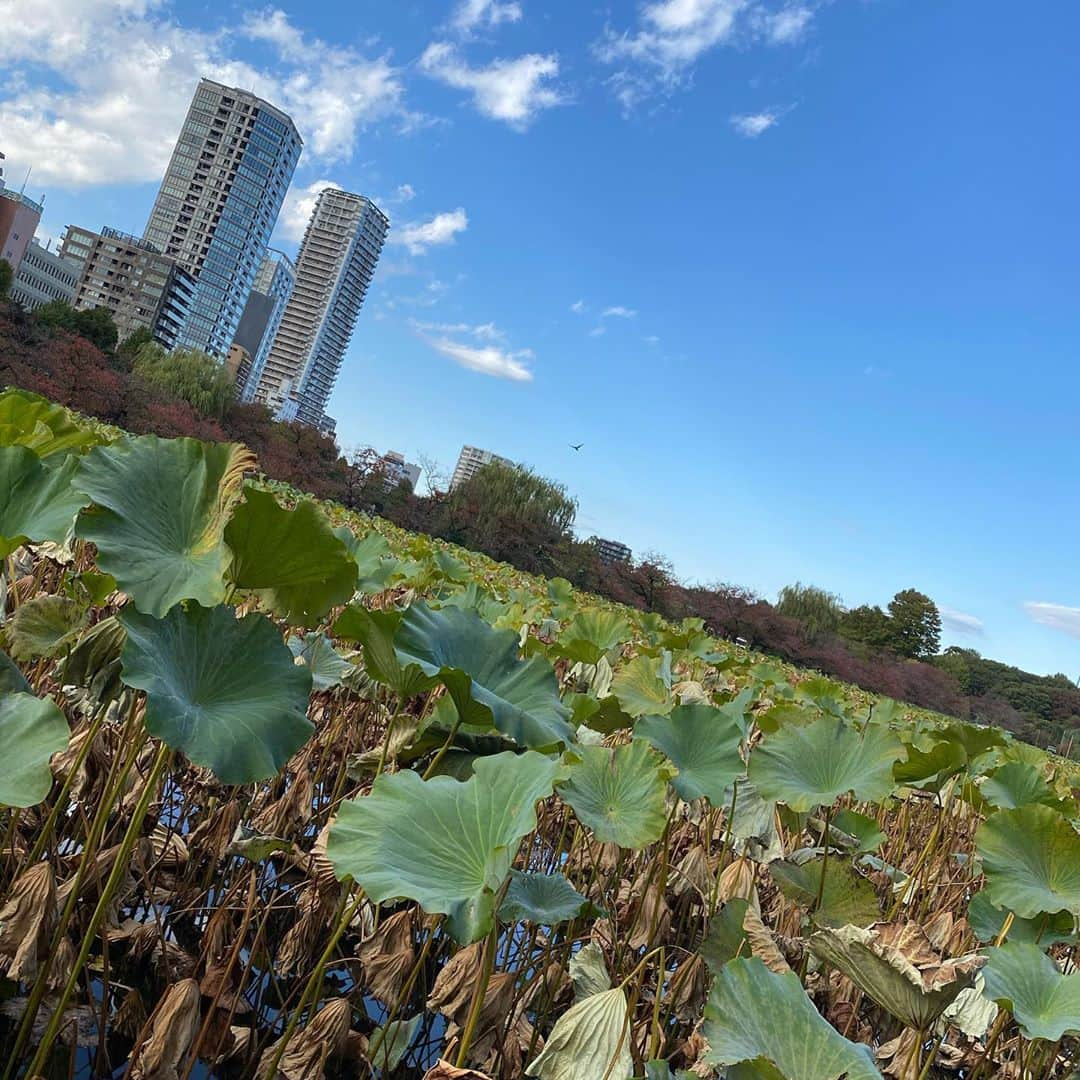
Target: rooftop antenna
22,190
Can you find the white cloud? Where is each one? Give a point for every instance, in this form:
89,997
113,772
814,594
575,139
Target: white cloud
405,193
486,359
618,312
95,91
483,331
960,622
1056,616
418,236
577,307
297,209
471,14
751,125
514,91
598,331
672,35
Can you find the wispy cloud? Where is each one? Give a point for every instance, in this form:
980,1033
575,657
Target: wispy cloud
470,15
752,125
578,307
598,331
419,236
618,312
1056,616
482,331
491,360
960,622
786,26
514,90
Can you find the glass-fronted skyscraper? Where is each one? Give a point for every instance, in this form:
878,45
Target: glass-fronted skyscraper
262,315
335,266
218,203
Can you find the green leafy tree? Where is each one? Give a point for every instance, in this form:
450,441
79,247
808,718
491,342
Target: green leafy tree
189,374
7,275
96,325
915,624
868,625
819,611
129,348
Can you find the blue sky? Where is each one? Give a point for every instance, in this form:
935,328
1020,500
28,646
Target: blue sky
801,276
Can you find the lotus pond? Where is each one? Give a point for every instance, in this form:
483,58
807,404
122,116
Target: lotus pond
285,792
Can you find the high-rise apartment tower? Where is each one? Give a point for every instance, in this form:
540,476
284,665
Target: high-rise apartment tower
218,203
333,271
262,316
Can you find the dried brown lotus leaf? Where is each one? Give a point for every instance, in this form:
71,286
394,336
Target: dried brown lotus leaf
688,988
737,881
454,984
443,1070
212,836
130,1017
388,956
762,943
311,1047
26,922
170,850
693,873
172,1031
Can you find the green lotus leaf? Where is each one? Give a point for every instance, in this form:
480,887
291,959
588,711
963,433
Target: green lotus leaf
897,967
754,1014
390,1043
812,766
44,626
97,588
703,743
32,729
35,422
12,680
726,937
255,846
987,922
94,662
1045,1003
317,653
561,594
447,845
847,898
449,567
37,501
371,553
974,739
619,792
862,829
545,899
290,559
738,709
640,688
598,714
827,695
160,507
223,690
375,631
590,1041
589,635
1031,858
930,769
1014,785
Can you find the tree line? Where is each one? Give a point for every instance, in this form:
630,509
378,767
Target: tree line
516,516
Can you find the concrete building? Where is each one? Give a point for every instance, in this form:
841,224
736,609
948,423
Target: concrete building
44,276
335,266
262,316
19,218
141,287
397,471
611,551
471,460
238,363
218,202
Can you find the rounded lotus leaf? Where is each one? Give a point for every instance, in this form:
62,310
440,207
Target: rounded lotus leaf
444,843
159,515
814,765
545,899
30,420
1045,1003
32,729
1031,858
223,690
703,744
590,1041
846,897
37,501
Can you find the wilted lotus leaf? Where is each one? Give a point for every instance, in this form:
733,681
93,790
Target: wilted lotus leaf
312,1046
1046,1003
813,765
896,965
32,729
443,1070
94,662
545,899
253,845
387,956
590,1041
290,559
223,690
619,793
588,971
447,845
755,1015
45,626
703,743
172,1031
845,898
640,688
37,501
1031,858
27,920
737,930
317,653
159,514
589,635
